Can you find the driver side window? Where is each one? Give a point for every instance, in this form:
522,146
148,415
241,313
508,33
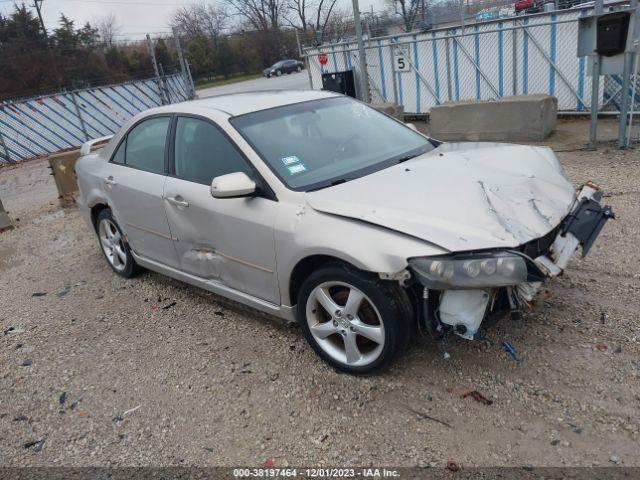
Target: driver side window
202,152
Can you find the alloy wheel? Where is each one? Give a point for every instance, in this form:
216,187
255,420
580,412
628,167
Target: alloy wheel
112,244
345,323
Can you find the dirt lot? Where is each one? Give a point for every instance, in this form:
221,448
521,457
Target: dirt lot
118,379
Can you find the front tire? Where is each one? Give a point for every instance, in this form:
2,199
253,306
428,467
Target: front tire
278,73
114,245
299,69
356,322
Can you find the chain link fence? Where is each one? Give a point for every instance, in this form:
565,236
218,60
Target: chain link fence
39,126
512,56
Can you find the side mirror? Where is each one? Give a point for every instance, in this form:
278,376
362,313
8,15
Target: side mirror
232,185
411,126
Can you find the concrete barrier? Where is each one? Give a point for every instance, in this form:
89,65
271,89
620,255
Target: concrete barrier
5,221
509,119
391,109
63,170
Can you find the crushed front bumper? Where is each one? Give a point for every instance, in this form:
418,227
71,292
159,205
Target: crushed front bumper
463,311
580,228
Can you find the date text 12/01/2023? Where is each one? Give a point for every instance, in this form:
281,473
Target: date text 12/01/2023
315,473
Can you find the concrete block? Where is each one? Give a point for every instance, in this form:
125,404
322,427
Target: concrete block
391,109
5,221
509,119
63,168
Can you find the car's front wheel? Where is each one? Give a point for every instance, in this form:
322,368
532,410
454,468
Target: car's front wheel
114,245
279,73
353,320
299,69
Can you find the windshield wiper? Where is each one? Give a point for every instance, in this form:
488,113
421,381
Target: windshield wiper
331,184
408,157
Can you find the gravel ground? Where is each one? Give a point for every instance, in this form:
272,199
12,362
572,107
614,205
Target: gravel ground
153,372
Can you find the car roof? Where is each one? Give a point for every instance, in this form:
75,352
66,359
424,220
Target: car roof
241,103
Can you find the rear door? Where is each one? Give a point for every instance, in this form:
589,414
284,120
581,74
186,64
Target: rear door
134,183
228,240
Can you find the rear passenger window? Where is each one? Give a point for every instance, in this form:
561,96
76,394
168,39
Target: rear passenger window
203,152
145,145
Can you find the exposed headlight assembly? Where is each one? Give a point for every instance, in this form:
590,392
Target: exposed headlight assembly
478,270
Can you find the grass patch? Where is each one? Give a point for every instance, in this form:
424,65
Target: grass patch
225,81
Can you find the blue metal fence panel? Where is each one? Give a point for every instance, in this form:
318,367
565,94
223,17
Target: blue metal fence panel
487,60
48,124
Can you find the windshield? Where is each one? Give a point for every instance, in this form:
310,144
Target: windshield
320,143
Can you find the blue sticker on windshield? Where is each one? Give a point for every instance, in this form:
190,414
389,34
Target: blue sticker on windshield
297,168
289,160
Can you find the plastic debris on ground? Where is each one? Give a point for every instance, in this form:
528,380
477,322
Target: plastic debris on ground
477,396
510,349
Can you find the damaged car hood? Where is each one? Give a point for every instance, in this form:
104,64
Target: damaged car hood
460,196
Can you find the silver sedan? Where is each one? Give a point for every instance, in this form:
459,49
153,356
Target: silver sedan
314,207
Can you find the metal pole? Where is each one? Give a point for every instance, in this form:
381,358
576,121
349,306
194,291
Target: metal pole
394,76
595,88
79,113
163,82
152,53
364,80
307,63
626,78
448,61
190,78
624,104
633,98
514,61
298,43
183,66
38,5
6,150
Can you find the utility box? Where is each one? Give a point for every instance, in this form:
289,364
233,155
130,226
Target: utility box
608,35
612,31
340,82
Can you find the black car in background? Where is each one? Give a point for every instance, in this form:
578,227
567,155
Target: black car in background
283,66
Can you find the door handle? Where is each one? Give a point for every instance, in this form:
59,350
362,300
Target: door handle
110,181
178,201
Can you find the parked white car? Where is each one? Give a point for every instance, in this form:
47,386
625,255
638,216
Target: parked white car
313,206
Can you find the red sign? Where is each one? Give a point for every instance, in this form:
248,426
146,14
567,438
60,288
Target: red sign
323,59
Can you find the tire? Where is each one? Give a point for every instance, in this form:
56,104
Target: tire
279,73
114,246
299,69
382,313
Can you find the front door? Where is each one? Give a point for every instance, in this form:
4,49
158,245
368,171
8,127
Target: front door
134,181
229,240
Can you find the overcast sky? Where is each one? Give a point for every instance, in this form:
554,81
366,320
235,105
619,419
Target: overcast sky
135,17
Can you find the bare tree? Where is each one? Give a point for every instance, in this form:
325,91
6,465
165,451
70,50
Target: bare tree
201,19
338,24
409,10
262,15
310,15
107,28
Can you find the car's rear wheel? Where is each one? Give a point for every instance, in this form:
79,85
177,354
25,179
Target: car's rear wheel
299,69
114,245
353,320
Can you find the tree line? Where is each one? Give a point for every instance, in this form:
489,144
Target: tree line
34,61
230,37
